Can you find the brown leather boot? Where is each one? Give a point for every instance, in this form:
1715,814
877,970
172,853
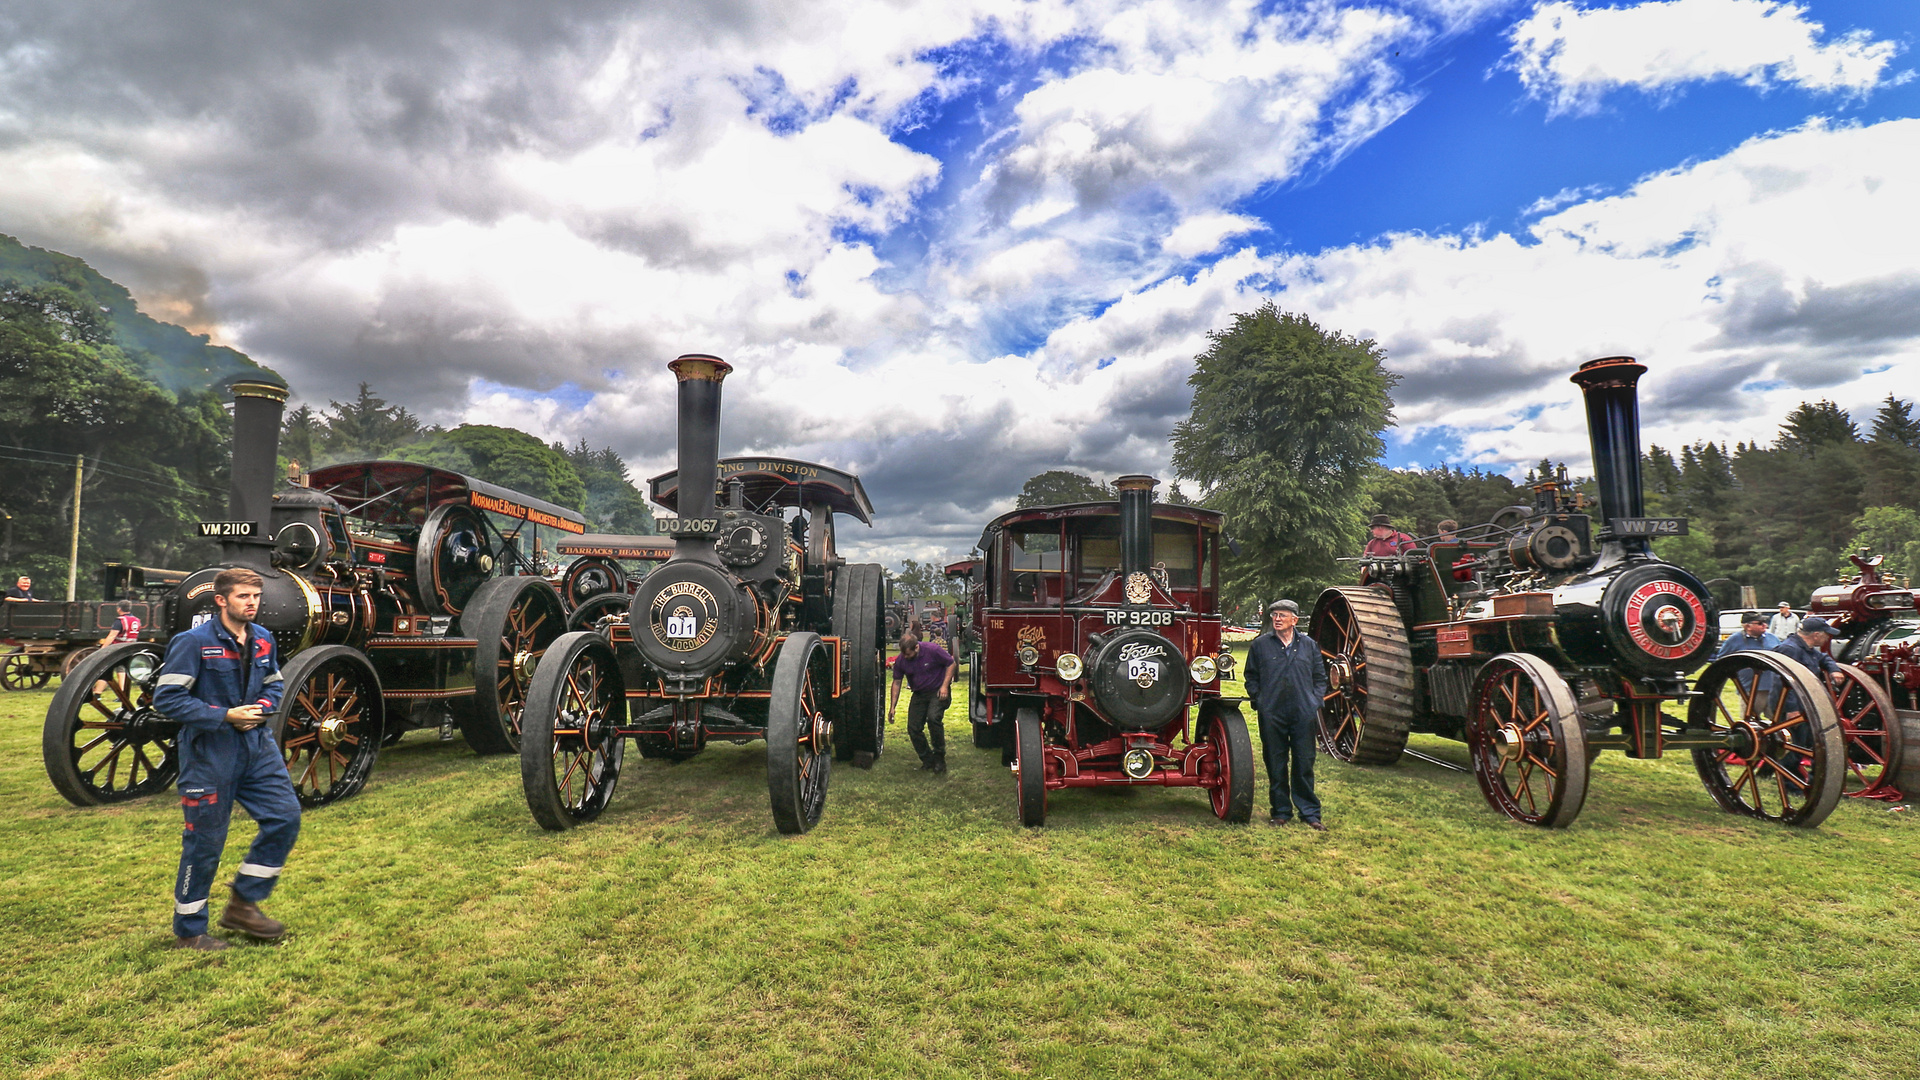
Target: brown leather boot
200,943
246,917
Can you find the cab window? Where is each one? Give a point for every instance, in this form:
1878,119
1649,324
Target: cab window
1033,565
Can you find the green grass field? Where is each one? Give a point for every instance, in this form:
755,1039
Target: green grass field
919,931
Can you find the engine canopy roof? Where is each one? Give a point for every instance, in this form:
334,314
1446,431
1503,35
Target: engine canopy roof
772,481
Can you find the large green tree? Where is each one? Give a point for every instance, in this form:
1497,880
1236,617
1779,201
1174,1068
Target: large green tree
1285,430
1056,486
504,456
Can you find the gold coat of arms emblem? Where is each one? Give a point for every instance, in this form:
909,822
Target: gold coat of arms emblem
1139,588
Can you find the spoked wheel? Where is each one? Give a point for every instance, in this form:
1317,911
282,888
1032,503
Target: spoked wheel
515,620
859,612
1369,705
1032,763
1528,745
74,660
569,750
604,606
1232,794
104,741
330,723
1872,733
1784,758
16,673
799,734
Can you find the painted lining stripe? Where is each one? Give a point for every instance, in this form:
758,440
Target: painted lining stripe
189,909
256,870
177,680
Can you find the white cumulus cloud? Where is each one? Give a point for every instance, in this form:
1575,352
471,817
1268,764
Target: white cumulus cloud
1572,56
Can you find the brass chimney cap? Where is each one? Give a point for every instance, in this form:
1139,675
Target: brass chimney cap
700,366
1135,482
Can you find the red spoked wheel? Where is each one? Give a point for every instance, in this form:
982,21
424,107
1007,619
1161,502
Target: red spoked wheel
330,723
1368,709
570,749
1529,748
1784,759
1872,733
1231,792
514,619
799,733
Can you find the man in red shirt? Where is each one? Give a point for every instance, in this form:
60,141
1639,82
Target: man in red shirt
1387,540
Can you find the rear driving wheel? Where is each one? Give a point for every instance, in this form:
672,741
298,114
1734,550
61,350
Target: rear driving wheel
515,619
1368,710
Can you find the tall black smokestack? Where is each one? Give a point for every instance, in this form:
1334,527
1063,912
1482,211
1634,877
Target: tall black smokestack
1136,522
700,376
256,448
1613,424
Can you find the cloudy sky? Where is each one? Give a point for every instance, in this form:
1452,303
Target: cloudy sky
951,243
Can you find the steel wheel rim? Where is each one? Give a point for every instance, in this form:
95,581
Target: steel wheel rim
1869,728
1520,761
121,720
513,669
1776,771
1346,684
327,746
816,750
582,755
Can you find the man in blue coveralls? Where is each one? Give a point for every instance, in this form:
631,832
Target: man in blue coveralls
221,679
1286,680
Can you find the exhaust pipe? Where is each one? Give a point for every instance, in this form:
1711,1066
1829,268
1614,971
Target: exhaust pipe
700,376
1136,522
1613,425
256,447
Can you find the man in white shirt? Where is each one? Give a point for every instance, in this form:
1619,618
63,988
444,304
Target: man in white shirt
1785,624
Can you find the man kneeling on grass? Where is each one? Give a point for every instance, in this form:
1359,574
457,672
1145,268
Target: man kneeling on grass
220,680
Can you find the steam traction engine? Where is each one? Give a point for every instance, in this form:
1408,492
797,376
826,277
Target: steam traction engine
1097,632
1564,639
1876,629
754,628
395,596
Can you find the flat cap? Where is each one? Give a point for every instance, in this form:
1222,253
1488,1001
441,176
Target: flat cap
1381,520
1283,605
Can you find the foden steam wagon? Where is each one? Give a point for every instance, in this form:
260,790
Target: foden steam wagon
1097,656
400,596
1545,636
755,628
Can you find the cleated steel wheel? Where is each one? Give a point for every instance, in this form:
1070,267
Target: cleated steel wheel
799,733
104,741
1031,766
330,723
16,673
514,619
1784,758
1369,705
570,752
1528,744
1872,732
1232,790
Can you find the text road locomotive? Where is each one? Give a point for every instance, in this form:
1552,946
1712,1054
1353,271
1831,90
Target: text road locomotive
1098,634
394,595
1540,640
754,628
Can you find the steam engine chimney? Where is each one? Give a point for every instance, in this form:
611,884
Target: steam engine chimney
1613,424
700,376
256,447
1136,522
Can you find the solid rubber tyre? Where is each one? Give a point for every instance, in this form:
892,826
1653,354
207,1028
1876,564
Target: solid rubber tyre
1232,798
1794,770
1032,764
799,735
595,608
515,620
570,754
859,611
16,673
118,731
1528,741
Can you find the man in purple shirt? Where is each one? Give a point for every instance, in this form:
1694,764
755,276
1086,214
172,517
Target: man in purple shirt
928,670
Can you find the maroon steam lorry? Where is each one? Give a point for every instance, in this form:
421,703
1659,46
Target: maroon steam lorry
400,595
1095,639
1548,635
754,628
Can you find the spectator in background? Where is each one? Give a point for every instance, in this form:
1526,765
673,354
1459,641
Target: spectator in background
1387,540
928,671
1785,624
1446,532
22,589
125,628
1753,637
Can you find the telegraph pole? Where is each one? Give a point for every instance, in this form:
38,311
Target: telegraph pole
73,552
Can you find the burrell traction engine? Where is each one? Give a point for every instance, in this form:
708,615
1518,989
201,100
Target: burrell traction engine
1096,634
754,628
1546,636
395,597
1877,643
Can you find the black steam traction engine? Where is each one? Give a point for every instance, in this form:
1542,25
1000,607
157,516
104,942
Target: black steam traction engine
1876,631
1564,640
755,628
395,596
1094,630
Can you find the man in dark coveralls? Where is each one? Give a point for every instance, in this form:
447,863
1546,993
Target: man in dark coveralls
928,671
1809,646
221,680
1286,679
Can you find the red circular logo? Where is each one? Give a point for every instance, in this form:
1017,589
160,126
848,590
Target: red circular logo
1683,638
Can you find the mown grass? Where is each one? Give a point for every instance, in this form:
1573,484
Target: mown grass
920,932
